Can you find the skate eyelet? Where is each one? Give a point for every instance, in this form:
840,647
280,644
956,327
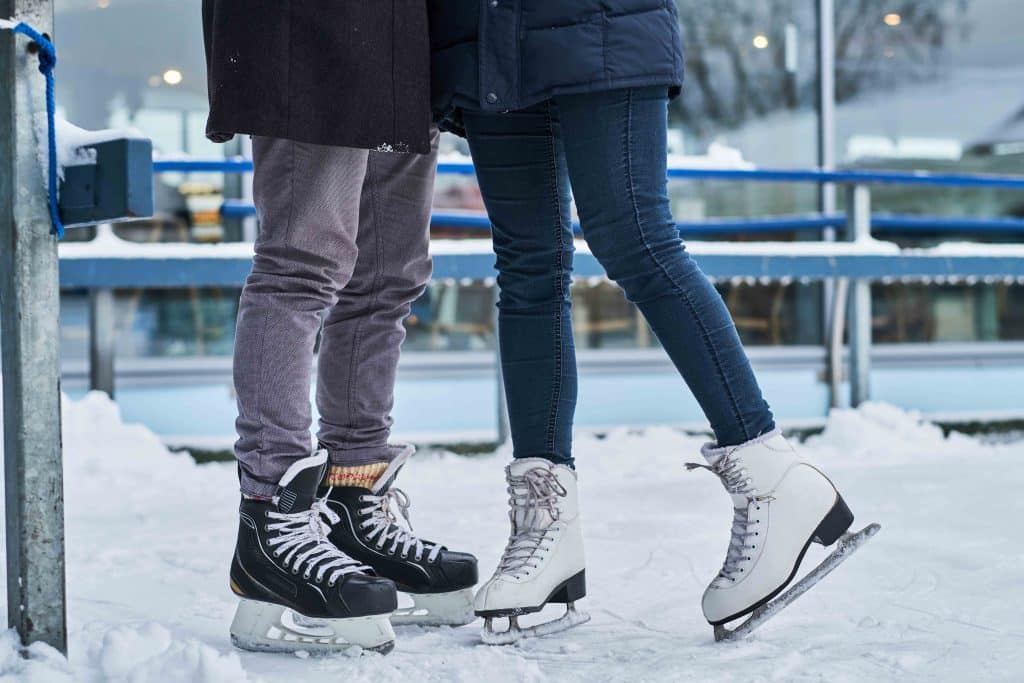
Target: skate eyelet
330,584
307,577
295,570
277,553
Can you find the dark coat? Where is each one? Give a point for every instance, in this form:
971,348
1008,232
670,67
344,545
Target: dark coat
501,55
350,73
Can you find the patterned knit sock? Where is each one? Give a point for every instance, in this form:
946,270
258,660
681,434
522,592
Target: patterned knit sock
361,476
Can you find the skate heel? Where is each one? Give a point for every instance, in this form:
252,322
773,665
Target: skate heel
835,524
574,588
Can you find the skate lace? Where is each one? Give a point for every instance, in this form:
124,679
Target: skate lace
384,525
302,539
736,482
537,491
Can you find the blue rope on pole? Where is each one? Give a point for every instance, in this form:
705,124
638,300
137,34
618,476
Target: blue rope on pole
47,62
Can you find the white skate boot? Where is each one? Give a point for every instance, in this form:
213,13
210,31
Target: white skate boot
543,561
781,504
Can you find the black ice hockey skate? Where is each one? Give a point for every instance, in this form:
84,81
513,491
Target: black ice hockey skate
438,581
297,590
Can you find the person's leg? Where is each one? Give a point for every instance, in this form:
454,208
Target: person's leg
307,199
521,170
359,350
364,331
520,166
615,147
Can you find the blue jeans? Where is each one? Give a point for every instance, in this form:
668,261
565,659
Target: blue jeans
610,148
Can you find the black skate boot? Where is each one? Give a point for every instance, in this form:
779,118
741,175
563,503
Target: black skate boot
297,590
438,581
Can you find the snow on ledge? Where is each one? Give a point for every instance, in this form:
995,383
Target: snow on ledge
71,139
111,246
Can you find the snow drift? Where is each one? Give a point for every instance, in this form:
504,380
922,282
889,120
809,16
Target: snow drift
150,535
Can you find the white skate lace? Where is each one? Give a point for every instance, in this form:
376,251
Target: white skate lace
385,526
737,483
302,539
536,491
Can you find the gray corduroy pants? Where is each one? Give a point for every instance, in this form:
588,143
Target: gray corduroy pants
342,246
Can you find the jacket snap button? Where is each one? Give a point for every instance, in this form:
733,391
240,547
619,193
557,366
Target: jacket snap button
492,98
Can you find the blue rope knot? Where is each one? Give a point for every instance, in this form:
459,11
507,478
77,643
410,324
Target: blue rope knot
47,62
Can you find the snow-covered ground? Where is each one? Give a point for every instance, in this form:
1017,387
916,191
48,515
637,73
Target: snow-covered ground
934,596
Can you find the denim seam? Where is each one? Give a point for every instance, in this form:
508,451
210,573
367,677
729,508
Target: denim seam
705,336
371,178
556,389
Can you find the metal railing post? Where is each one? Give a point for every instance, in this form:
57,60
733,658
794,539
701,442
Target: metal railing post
504,430
102,336
30,306
836,331
233,189
858,210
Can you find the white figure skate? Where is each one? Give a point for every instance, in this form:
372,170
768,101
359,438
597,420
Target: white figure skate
781,505
543,561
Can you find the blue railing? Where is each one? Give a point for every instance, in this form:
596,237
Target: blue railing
887,223
1010,182
852,266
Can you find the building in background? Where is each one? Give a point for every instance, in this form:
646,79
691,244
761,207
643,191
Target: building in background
920,84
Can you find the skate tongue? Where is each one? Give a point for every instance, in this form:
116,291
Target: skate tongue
402,454
529,487
714,454
297,489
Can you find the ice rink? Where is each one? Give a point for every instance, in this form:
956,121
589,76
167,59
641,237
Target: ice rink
934,596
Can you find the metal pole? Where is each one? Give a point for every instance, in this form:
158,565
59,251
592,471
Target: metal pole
827,105
504,430
30,304
826,25
102,336
858,207
233,189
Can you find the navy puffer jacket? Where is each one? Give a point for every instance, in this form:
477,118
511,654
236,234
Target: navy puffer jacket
504,55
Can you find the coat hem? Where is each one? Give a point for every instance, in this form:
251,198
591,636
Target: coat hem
449,117
398,147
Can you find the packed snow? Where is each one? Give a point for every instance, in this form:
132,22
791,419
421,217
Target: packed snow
934,596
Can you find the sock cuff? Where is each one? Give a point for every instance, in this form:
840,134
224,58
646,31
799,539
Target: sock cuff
362,476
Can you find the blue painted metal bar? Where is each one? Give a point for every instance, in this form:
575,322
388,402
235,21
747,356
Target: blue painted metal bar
851,177
177,272
237,165
724,226
891,223
751,175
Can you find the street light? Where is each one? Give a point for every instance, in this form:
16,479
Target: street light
760,41
172,77
893,19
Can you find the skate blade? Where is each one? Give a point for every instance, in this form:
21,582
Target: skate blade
847,545
435,609
514,634
266,627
